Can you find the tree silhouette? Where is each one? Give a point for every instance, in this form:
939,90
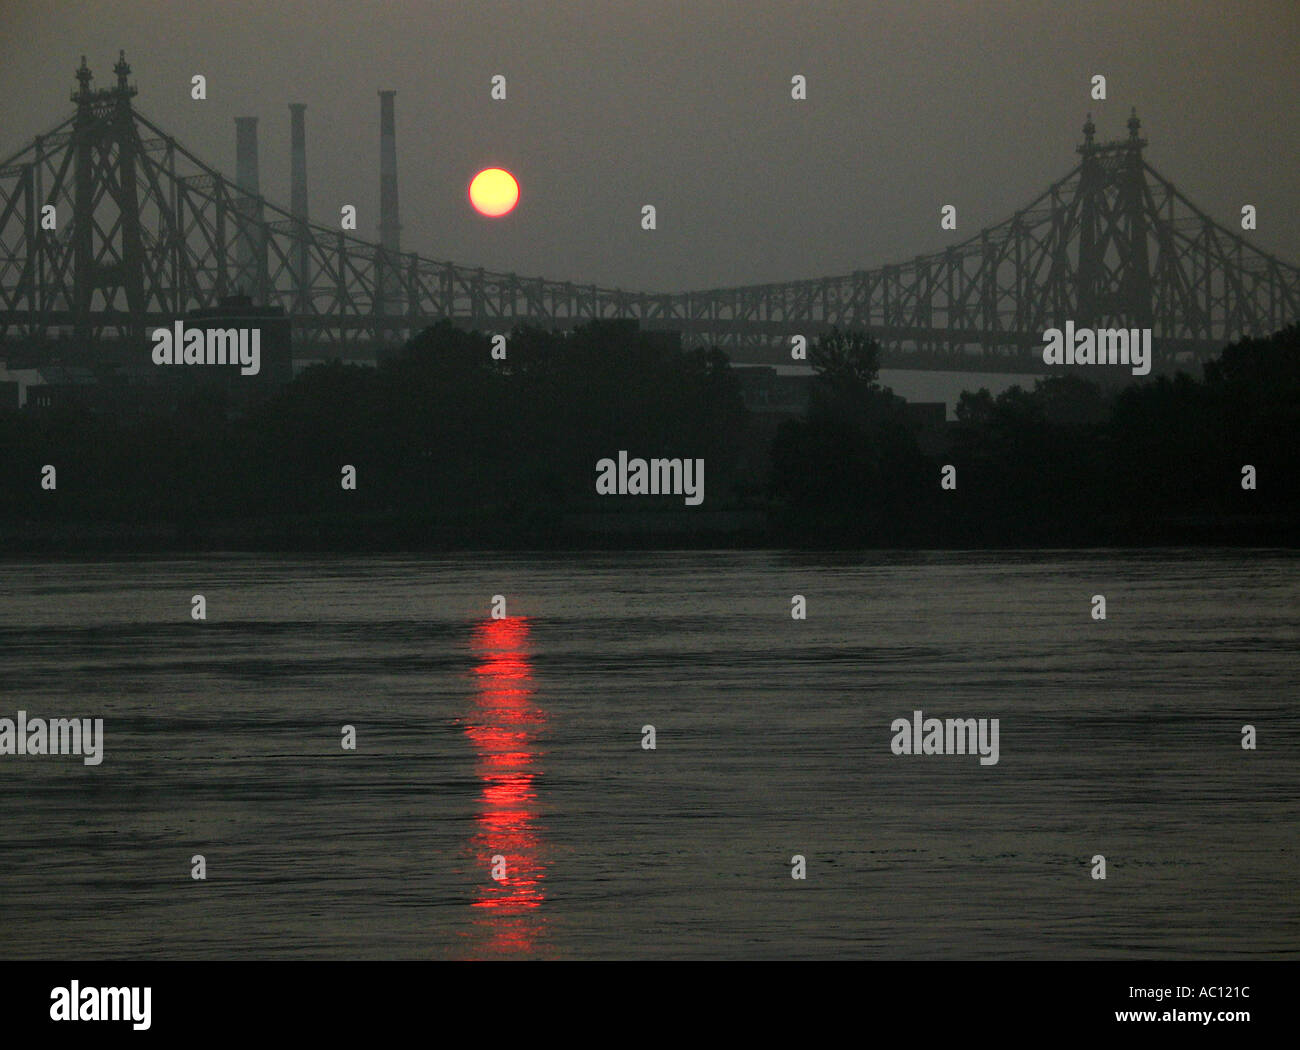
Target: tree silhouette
846,358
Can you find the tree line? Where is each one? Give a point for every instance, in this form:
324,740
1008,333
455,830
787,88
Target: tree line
451,447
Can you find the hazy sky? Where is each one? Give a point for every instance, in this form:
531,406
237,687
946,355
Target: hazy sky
612,105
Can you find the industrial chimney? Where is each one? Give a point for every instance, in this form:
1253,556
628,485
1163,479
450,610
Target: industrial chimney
389,226
390,286
246,155
298,200
248,258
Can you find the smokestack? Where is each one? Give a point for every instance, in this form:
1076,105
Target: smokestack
298,197
249,277
246,155
389,226
298,159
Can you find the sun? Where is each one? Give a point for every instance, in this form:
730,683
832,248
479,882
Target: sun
494,192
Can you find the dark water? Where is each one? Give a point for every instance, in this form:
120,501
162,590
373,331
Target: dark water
521,738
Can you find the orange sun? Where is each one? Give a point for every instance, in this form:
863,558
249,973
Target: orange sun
493,191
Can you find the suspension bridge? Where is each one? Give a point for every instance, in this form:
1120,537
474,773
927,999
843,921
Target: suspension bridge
146,232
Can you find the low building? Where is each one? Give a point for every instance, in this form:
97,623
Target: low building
275,363
767,391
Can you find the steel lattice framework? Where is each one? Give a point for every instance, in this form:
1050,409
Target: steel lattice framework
146,232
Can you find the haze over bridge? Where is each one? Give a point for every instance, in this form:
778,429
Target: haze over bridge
147,232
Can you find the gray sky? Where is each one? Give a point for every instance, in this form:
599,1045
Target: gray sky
613,104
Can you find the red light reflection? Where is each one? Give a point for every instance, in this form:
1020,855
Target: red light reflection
503,727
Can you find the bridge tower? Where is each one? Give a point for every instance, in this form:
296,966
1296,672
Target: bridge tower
108,251
1114,273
